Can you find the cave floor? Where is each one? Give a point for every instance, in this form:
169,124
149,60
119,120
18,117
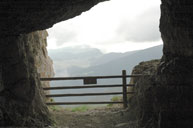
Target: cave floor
103,117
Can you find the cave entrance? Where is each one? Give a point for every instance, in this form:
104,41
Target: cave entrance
110,37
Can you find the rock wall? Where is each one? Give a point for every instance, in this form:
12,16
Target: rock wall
142,102
21,97
144,68
161,99
43,62
175,73
164,99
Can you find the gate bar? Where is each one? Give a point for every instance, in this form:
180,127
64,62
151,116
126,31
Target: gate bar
82,87
77,103
124,80
79,78
87,94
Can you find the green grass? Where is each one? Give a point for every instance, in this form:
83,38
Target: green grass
115,99
80,109
55,108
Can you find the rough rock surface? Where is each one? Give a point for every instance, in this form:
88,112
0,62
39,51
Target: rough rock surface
43,62
21,99
20,16
141,105
161,100
174,77
144,68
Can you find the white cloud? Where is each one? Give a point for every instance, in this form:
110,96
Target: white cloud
109,23
144,28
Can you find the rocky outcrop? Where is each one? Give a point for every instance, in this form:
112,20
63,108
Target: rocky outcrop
21,97
140,101
159,103
43,62
144,68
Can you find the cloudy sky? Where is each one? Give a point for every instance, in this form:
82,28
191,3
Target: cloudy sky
113,26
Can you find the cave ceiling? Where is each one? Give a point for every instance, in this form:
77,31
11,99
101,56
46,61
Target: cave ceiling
22,16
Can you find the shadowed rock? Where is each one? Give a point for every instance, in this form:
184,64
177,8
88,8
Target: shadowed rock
166,101
27,16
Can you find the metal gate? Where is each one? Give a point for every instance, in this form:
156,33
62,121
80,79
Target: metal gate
91,80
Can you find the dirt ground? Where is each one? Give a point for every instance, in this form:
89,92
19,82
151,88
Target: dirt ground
94,118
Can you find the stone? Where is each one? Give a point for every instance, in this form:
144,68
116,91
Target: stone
88,126
43,62
161,100
143,68
21,96
122,125
126,125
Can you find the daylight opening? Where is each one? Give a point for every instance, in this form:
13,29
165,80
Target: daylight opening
112,36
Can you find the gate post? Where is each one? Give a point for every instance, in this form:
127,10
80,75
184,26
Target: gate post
124,82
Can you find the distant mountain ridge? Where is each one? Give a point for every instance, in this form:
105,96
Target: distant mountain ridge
75,61
67,57
70,53
109,57
121,61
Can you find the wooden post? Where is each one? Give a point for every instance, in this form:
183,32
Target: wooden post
124,81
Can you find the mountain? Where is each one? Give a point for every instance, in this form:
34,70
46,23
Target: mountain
109,57
71,53
77,58
67,57
121,61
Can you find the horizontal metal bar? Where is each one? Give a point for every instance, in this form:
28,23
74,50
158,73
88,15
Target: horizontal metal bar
77,78
83,94
78,103
84,86
96,77
86,94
